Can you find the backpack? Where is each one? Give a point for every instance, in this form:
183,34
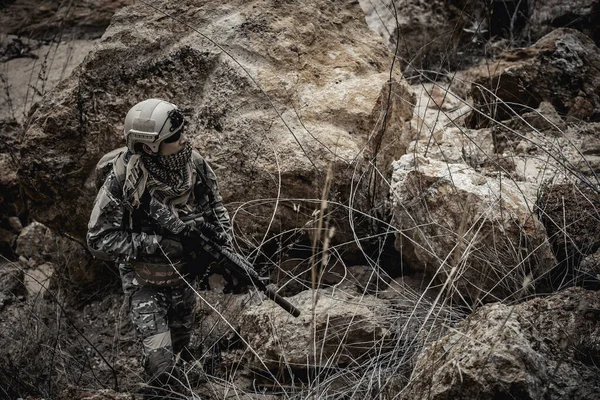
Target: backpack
114,159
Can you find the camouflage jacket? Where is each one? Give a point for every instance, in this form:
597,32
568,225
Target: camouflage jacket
115,234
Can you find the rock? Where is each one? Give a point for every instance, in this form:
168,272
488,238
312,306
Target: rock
15,224
101,394
544,119
359,278
10,197
37,281
431,35
477,234
46,19
437,108
591,144
366,279
31,75
37,244
346,327
547,15
288,91
524,133
588,271
561,68
456,145
570,214
11,283
546,348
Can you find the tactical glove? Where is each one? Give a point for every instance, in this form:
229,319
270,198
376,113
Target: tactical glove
211,232
173,248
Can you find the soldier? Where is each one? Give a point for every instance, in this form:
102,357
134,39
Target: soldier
159,163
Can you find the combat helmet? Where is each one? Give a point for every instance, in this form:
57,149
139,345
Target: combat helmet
150,122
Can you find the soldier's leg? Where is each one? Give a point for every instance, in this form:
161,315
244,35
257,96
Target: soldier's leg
130,285
149,308
181,319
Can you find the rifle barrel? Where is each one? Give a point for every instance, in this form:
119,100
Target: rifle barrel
283,303
245,271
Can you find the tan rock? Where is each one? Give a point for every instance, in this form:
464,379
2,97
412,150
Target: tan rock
559,69
542,348
274,94
37,281
478,237
345,329
38,244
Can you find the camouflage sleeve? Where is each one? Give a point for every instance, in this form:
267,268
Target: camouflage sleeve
108,237
216,212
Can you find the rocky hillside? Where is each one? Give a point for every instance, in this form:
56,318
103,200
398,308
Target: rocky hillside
419,178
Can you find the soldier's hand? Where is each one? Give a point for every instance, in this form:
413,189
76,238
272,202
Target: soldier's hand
173,248
211,232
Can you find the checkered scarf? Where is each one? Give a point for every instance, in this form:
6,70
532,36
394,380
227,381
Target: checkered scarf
167,178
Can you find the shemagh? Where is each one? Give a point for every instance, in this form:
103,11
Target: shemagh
167,178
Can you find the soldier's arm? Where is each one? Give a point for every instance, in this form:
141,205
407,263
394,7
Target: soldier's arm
220,214
108,237
215,213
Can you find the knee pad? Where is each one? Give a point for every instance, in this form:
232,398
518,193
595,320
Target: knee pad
159,364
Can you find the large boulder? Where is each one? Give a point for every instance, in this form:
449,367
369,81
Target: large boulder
477,234
561,68
335,328
38,245
546,348
274,92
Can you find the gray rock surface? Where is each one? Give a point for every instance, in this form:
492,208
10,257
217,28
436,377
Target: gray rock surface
558,69
38,244
47,19
589,270
12,287
476,234
547,15
428,35
543,348
570,214
347,328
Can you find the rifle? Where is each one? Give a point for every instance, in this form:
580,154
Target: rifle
205,240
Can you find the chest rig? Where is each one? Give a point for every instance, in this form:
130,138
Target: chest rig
158,270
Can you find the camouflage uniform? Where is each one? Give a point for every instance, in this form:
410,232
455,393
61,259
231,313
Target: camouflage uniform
161,302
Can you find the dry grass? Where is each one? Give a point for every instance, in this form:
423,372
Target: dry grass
50,353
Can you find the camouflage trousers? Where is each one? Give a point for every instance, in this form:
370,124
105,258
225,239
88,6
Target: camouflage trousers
163,318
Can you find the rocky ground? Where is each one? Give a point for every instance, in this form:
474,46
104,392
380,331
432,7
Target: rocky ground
457,252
